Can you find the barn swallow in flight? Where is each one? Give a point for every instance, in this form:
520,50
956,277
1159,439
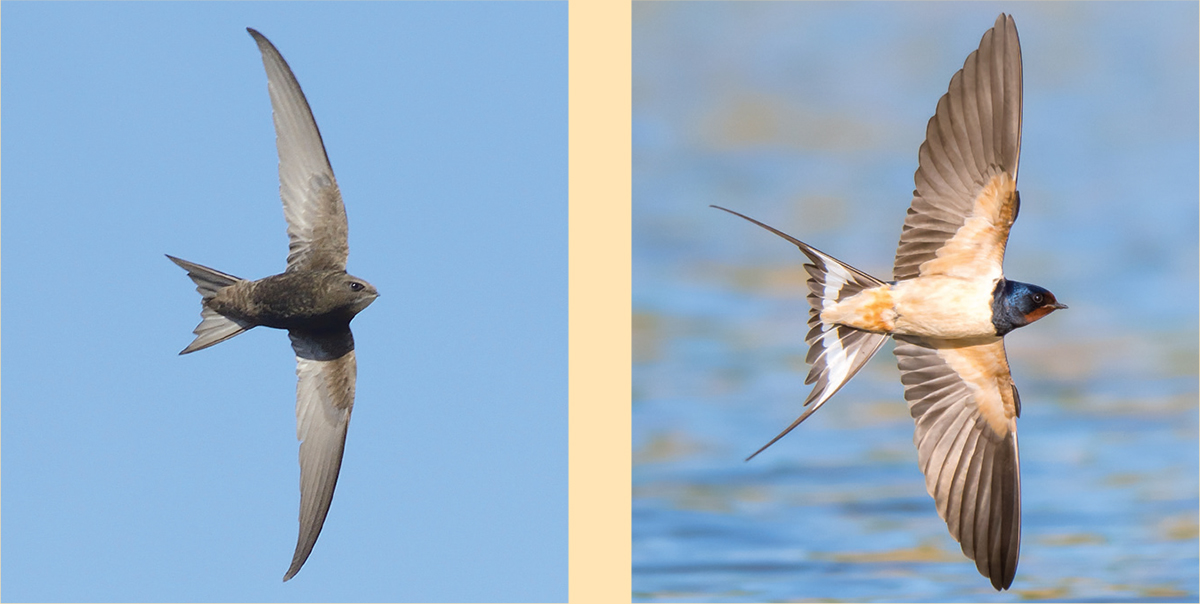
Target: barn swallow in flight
948,308
314,299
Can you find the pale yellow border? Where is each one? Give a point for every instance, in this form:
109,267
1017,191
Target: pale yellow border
600,293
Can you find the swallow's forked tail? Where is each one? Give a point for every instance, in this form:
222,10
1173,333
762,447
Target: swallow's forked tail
836,352
214,327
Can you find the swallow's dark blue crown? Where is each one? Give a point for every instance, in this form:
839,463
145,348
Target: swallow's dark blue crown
1016,304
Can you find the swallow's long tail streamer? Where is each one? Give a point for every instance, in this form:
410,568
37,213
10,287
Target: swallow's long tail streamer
836,352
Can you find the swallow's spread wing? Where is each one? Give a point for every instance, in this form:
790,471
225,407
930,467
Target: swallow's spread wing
965,405
966,198
326,369
836,352
312,202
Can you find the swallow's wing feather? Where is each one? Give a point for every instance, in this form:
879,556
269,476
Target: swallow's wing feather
965,199
326,371
836,352
312,202
965,406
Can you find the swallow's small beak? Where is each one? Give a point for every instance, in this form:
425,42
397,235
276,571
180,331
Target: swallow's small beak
1058,306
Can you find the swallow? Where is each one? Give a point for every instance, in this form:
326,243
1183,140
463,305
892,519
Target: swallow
314,299
948,307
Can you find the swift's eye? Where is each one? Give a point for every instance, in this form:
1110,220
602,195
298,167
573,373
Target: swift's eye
356,286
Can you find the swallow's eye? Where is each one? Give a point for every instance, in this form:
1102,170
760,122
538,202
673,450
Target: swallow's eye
356,286
1039,299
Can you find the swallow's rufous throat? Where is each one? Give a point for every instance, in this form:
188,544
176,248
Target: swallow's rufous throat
314,299
948,308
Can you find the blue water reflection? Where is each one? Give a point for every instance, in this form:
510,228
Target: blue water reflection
808,116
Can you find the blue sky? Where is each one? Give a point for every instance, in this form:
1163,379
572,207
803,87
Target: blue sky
132,130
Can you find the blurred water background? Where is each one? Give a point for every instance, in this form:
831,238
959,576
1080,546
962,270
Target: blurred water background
808,116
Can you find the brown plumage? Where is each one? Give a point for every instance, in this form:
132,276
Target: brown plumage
314,299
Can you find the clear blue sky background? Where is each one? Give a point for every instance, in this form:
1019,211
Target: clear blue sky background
132,130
